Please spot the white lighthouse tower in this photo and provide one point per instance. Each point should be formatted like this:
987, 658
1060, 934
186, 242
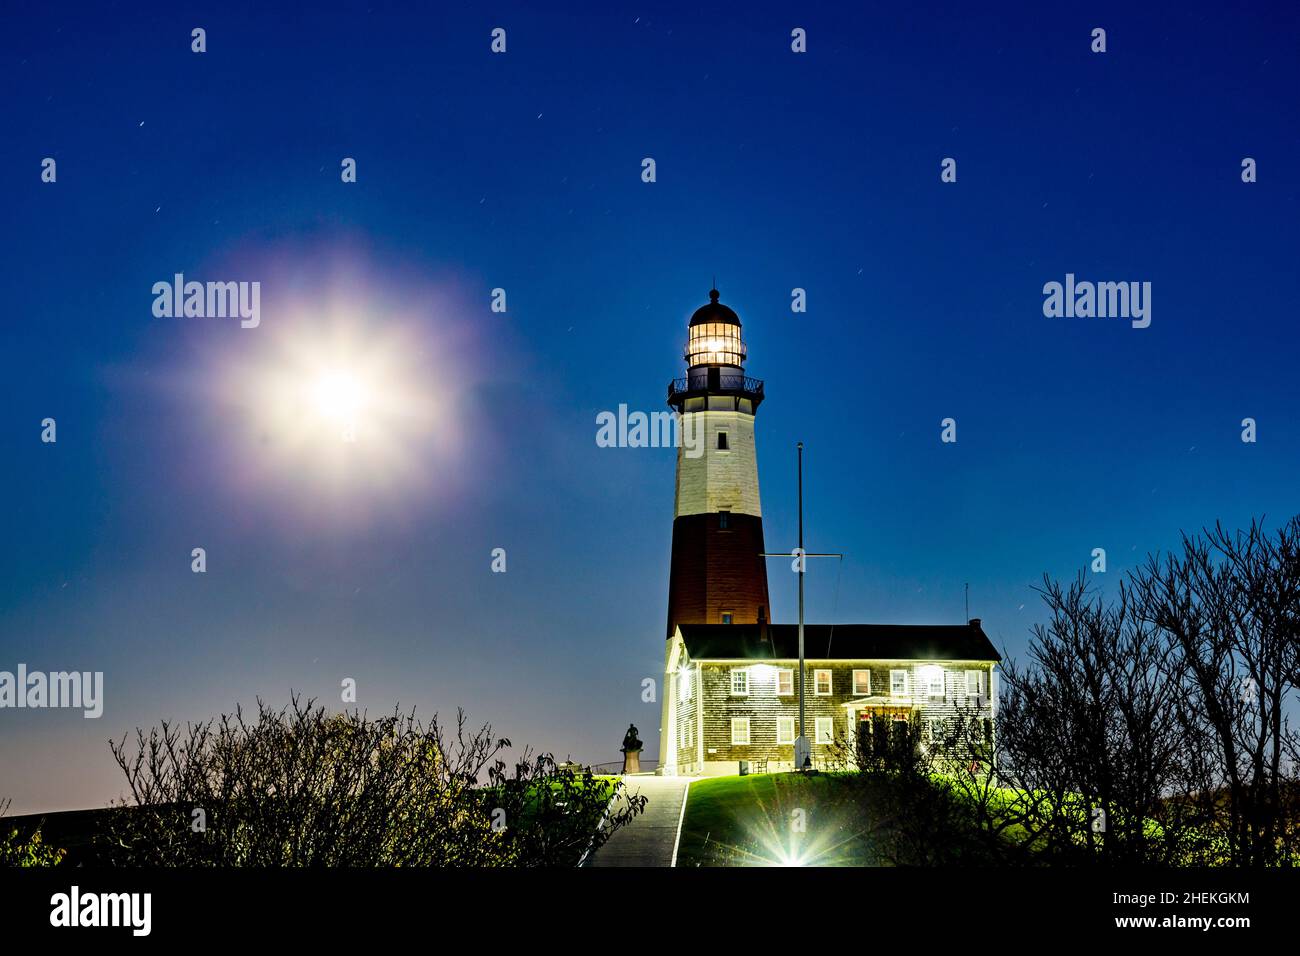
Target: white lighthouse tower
718, 575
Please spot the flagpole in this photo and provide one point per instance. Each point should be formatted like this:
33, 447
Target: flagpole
803, 727
802, 748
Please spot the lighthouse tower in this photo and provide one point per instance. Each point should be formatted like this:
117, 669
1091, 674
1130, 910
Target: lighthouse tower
718, 575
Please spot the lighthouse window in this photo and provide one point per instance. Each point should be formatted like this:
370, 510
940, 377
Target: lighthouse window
715, 343
726, 617
722, 441
724, 519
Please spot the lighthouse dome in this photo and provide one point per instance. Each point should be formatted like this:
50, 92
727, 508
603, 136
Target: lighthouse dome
715, 311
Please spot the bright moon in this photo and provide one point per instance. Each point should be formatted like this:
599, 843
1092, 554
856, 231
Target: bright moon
338, 397
340, 411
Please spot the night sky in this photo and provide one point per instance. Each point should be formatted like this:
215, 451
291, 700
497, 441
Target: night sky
522, 171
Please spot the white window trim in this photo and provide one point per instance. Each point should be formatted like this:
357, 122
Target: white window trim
856, 692
978, 690
732, 678
787, 721
748, 736
929, 685
817, 730
906, 683
790, 692
830, 676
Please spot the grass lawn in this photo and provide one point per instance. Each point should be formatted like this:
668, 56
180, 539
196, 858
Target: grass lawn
846, 821
752, 821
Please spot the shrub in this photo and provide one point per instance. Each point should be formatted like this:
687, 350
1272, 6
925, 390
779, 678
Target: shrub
303, 787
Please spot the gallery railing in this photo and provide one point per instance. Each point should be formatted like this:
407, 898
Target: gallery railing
724, 382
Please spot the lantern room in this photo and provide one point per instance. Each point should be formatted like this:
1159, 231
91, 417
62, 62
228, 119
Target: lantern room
714, 336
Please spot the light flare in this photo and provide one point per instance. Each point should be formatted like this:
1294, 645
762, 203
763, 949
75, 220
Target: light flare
347, 400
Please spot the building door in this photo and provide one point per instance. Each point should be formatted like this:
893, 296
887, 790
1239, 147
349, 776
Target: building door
864, 732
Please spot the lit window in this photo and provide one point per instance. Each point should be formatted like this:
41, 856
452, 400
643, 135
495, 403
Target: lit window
722, 441
898, 683
862, 683
785, 730
822, 683
740, 682
825, 730
784, 683
740, 731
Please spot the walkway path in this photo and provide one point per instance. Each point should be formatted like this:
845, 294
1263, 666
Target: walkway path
649, 840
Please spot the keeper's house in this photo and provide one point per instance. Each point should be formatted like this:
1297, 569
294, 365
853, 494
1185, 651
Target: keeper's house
732, 691
731, 680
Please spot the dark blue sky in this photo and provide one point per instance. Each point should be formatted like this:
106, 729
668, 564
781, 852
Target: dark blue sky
522, 171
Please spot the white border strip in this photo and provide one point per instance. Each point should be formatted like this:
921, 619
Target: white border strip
686, 795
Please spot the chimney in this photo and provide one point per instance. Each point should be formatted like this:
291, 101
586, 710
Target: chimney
974, 622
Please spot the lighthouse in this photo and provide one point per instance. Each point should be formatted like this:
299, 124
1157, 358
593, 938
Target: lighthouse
717, 574
733, 700
732, 697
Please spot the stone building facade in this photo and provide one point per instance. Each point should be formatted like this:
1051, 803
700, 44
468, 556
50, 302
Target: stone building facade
732, 694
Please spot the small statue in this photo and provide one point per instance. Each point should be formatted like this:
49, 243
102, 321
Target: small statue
630, 740
631, 750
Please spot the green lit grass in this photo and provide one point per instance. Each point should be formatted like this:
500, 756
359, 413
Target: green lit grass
747, 821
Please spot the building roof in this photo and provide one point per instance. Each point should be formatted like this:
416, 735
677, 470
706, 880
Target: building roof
843, 642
